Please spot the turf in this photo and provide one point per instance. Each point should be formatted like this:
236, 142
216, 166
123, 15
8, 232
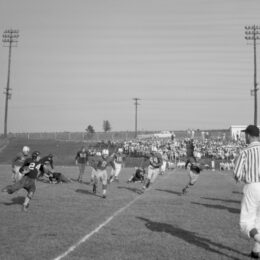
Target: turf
160, 224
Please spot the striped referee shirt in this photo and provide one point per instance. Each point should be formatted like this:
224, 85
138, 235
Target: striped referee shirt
247, 166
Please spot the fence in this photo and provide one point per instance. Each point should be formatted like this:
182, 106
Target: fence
101, 136
75, 136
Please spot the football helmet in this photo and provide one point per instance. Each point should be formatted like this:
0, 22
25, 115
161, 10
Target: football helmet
26, 150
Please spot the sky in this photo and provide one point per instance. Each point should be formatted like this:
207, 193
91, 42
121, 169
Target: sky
80, 62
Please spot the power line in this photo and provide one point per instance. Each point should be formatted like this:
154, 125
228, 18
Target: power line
10, 39
136, 105
252, 33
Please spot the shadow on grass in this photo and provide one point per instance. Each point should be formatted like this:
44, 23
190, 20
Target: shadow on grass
237, 192
171, 191
16, 200
135, 190
222, 200
190, 237
86, 192
83, 182
231, 210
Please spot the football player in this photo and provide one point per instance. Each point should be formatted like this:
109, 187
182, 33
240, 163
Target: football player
27, 182
155, 163
194, 171
118, 161
18, 161
138, 175
99, 173
81, 160
46, 165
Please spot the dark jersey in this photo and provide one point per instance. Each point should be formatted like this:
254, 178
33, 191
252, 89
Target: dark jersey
29, 168
81, 157
47, 160
155, 160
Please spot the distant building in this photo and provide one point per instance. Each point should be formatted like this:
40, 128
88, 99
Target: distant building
235, 132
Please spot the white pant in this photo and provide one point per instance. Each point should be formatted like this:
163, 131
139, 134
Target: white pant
115, 172
99, 175
250, 210
152, 173
16, 174
163, 167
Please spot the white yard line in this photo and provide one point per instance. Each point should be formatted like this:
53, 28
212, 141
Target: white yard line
89, 235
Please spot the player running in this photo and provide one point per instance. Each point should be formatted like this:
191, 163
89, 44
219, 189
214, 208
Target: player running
99, 173
27, 182
194, 172
155, 160
18, 161
118, 161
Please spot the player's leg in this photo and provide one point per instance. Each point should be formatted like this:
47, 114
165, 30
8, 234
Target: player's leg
16, 176
193, 178
104, 183
112, 176
10, 189
148, 179
117, 172
81, 171
31, 188
94, 178
64, 179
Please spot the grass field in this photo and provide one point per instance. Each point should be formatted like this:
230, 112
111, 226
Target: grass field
159, 224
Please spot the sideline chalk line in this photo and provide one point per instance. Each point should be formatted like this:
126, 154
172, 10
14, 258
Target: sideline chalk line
87, 236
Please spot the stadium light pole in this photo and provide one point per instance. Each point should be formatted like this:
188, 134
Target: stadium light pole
136, 105
10, 39
253, 34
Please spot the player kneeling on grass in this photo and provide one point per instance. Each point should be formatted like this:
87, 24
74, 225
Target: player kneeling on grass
27, 182
138, 176
57, 177
46, 165
99, 173
155, 160
194, 172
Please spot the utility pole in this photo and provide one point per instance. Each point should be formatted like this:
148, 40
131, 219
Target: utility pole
253, 33
10, 39
136, 104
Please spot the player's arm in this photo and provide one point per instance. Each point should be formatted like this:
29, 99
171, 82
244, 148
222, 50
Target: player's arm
239, 170
24, 167
17, 157
51, 164
112, 164
76, 158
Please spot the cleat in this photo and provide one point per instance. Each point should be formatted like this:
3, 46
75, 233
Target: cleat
25, 208
184, 191
104, 196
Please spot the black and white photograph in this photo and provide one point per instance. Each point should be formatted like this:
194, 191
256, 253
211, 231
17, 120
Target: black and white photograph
129, 130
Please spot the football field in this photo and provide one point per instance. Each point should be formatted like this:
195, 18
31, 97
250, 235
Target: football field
67, 221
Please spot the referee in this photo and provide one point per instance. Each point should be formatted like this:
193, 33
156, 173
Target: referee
247, 170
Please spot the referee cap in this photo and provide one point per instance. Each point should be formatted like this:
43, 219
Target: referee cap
252, 130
